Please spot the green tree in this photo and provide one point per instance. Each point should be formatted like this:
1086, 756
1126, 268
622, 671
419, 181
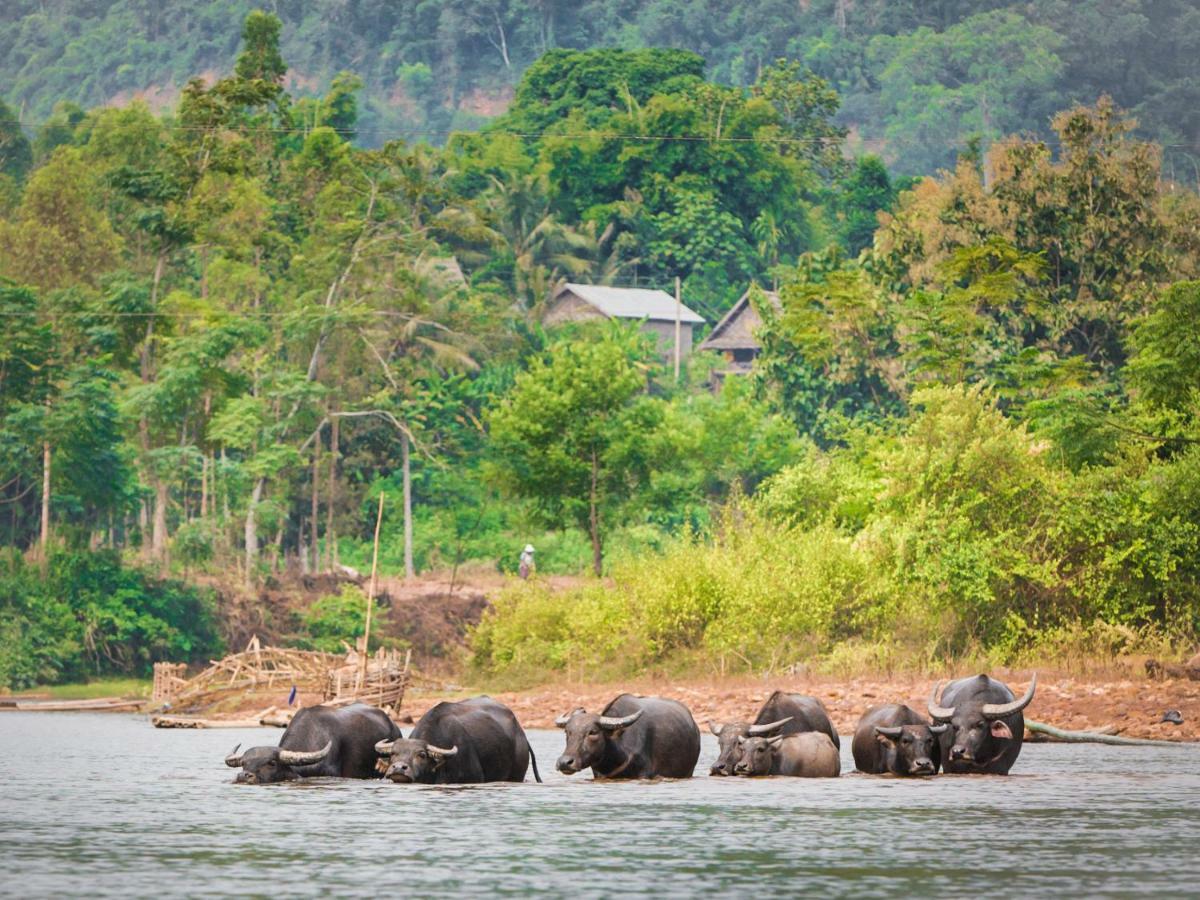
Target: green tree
984, 76
16, 156
572, 435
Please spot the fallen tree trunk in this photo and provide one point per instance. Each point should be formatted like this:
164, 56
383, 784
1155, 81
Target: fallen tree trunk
1094, 737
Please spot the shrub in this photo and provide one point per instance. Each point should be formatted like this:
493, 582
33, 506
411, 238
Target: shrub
89, 615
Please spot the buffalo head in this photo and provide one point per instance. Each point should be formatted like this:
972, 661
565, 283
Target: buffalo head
727, 741
588, 737
413, 762
267, 765
910, 749
980, 732
755, 755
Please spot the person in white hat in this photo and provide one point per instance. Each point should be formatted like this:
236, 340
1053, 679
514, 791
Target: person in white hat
526, 568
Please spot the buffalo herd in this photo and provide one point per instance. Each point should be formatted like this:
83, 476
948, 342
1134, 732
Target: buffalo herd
975, 726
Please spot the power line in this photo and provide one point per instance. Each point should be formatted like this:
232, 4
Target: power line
525, 135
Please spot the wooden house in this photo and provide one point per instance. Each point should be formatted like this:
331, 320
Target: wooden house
656, 310
734, 336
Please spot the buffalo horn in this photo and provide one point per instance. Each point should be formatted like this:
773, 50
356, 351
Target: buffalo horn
440, 751
562, 720
758, 730
384, 748
233, 760
940, 729
996, 710
304, 757
935, 709
892, 731
611, 723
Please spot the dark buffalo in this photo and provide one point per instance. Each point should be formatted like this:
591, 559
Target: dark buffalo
463, 742
896, 739
635, 737
986, 725
780, 714
809, 754
320, 740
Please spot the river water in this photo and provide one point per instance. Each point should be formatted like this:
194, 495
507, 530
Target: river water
103, 804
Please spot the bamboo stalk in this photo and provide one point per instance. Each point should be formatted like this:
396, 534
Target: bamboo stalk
362, 662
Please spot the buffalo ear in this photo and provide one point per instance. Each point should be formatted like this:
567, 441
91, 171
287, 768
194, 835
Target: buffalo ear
714, 728
1001, 730
775, 741
887, 734
741, 740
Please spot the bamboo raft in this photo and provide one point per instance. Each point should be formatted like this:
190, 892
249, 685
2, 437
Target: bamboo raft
380, 680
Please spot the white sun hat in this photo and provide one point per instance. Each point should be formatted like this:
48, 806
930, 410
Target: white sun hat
529, 548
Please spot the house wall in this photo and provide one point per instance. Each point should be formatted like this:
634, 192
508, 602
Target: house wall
665, 332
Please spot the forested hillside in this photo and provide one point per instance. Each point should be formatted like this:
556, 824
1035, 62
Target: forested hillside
230, 328
918, 80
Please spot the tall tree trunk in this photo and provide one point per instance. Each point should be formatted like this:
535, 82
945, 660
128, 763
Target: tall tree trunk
44, 544
277, 548
251, 532
314, 518
159, 540
594, 518
330, 533
146, 366
203, 486
409, 572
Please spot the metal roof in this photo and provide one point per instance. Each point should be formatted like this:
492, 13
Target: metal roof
631, 303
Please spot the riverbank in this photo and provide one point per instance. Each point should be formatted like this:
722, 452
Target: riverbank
1133, 706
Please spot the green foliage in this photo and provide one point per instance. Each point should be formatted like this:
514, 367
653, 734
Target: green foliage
958, 536
16, 155
90, 616
337, 621
571, 435
983, 77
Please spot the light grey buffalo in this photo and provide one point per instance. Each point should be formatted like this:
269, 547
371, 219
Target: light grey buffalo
810, 754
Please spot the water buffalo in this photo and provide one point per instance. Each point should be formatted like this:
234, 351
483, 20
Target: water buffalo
463, 742
781, 713
986, 725
893, 738
635, 737
320, 740
809, 754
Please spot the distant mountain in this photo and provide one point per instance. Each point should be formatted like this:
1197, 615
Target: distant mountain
918, 78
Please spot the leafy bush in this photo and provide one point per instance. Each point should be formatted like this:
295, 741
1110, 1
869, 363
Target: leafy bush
89, 615
337, 620
961, 537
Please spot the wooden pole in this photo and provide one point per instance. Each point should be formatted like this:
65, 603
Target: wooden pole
678, 326
362, 663
409, 571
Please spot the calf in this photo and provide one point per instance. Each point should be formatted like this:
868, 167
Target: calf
810, 754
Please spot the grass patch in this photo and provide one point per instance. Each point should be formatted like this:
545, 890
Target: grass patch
91, 690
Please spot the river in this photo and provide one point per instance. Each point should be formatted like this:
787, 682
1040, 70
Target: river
104, 804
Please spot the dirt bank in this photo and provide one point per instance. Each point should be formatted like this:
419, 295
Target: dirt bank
1134, 706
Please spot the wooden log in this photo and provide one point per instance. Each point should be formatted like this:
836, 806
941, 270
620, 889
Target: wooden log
1095, 737
100, 704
